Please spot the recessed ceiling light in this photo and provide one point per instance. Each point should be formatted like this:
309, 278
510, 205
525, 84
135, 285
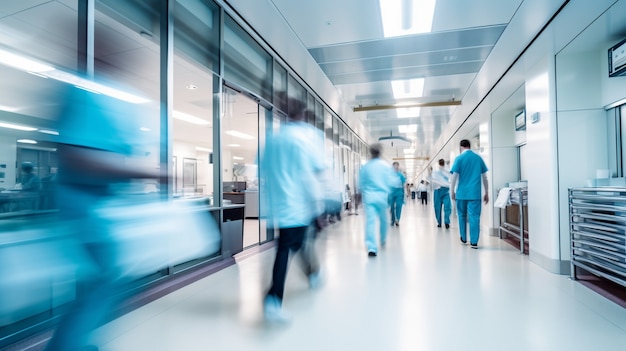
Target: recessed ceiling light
411, 88
237, 158
144, 129
17, 126
189, 118
46, 131
240, 135
404, 17
26, 141
205, 149
8, 108
192, 86
234, 145
410, 128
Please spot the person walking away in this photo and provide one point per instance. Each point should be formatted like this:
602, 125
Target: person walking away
423, 191
293, 166
396, 197
468, 170
375, 184
440, 180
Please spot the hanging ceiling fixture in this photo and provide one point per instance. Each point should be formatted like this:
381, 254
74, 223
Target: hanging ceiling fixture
395, 141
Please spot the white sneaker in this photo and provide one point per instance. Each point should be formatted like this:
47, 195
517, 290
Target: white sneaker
315, 281
273, 311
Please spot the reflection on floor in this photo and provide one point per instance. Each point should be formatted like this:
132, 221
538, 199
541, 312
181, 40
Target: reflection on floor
425, 291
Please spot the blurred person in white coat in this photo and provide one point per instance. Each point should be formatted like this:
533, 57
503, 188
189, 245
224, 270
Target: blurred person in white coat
293, 166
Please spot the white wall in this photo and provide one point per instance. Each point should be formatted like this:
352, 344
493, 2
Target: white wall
543, 214
582, 128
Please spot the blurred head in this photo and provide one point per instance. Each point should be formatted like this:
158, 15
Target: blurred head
296, 109
27, 167
465, 144
396, 165
375, 150
441, 162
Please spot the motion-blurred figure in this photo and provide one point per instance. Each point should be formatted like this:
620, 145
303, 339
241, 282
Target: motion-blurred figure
29, 180
97, 134
440, 178
396, 197
422, 189
375, 183
293, 165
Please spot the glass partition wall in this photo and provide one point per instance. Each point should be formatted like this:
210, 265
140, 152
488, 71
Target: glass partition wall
209, 94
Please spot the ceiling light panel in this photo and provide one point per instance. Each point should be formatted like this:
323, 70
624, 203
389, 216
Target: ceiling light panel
412, 88
405, 17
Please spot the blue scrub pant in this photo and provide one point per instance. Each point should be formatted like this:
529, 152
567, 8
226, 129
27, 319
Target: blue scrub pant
441, 197
396, 199
469, 210
374, 211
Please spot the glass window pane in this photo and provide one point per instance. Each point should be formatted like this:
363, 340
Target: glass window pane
245, 62
195, 42
196, 32
280, 87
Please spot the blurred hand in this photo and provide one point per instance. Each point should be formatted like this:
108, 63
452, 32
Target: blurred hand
453, 196
486, 198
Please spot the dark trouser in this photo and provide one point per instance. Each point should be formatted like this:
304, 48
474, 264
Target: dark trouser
291, 239
424, 197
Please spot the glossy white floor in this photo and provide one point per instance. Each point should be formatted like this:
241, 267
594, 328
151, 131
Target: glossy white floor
425, 291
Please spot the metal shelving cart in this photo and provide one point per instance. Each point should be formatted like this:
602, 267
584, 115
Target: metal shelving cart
598, 233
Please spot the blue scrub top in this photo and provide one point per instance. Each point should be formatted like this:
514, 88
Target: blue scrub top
469, 166
375, 180
399, 180
292, 166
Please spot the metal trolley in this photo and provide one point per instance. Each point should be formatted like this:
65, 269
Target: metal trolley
518, 198
598, 232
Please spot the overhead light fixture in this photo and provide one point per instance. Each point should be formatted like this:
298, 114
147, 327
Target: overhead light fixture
407, 104
240, 135
17, 126
234, 145
404, 17
144, 129
410, 88
23, 63
46, 131
237, 158
8, 108
410, 128
409, 151
26, 141
205, 149
92, 86
46, 71
189, 118
191, 86
395, 141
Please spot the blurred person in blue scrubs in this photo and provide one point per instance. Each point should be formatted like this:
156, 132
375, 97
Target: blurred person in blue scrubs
468, 171
98, 135
396, 197
440, 179
375, 180
294, 170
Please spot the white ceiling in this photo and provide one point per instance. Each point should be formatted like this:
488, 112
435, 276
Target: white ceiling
346, 39
471, 45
